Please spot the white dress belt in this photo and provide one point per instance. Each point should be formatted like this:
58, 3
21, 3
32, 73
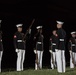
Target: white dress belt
73, 45
61, 39
19, 41
1, 40
39, 42
53, 43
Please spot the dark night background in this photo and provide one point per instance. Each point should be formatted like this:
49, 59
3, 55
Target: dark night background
45, 13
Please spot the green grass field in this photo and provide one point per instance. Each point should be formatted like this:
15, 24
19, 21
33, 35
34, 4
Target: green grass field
41, 72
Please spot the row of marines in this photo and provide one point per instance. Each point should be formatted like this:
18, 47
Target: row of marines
57, 44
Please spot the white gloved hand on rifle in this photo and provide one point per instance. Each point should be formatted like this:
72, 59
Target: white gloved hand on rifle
29, 31
17, 50
70, 51
50, 51
35, 51
56, 50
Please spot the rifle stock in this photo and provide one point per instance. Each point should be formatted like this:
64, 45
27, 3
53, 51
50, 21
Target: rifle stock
29, 28
52, 55
72, 54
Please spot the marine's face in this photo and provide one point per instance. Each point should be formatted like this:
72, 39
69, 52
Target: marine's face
40, 30
59, 26
73, 35
54, 32
19, 29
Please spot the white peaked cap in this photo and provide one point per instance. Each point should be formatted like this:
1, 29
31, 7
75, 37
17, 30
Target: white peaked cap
18, 25
60, 22
38, 27
73, 32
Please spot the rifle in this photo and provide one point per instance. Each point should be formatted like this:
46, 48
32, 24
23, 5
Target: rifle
75, 49
28, 29
72, 53
52, 54
42, 41
36, 61
0, 27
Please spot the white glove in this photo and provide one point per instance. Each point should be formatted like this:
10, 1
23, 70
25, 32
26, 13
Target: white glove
17, 50
35, 51
34, 37
56, 50
29, 31
70, 51
50, 51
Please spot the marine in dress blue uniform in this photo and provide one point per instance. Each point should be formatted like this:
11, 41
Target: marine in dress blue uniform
72, 49
52, 47
60, 47
19, 44
39, 47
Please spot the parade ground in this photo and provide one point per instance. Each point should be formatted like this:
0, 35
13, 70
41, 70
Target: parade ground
41, 72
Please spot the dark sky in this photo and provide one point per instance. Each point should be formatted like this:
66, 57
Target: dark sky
46, 13
31, 7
